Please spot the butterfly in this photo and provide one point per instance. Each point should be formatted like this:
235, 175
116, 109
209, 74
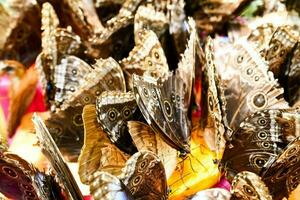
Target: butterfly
280, 174
280, 45
211, 15
98, 152
261, 35
137, 181
164, 102
216, 123
147, 57
21, 180
145, 138
82, 17
293, 74
163, 108
147, 17
248, 185
66, 124
21, 40
51, 63
248, 85
52, 152
117, 36
259, 138
114, 109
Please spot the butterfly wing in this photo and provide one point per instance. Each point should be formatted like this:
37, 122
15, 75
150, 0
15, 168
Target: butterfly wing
248, 85
47, 60
66, 128
68, 43
105, 186
69, 76
186, 65
147, 17
48, 187
147, 57
107, 75
114, 109
293, 85
159, 113
248, 185
146, 139
261, 137
281, 174
280, 45
216, 121
140, 176
261, 35
16, 181
53, 154
98, 153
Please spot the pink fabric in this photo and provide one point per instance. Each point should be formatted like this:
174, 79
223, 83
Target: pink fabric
87, 198
223, 183
4, 94
37, 104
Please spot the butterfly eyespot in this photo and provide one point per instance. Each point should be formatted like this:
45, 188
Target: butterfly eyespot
143, 164
292, 151
86, 99
10, 172
30, 194
173, 98
248, 190
97, 93
259, 162
259, 100
110, 82
154, 94
294, 186
72, 89
177, 98
126, 112
77, 120
275, 48
136, 180
262, 121
112, 115
149, 63
74, 71
249, 71
156, 55
240, 59
168, 108
293, 159
262, 135
145, 92
26, 187
266, 145
132, 190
